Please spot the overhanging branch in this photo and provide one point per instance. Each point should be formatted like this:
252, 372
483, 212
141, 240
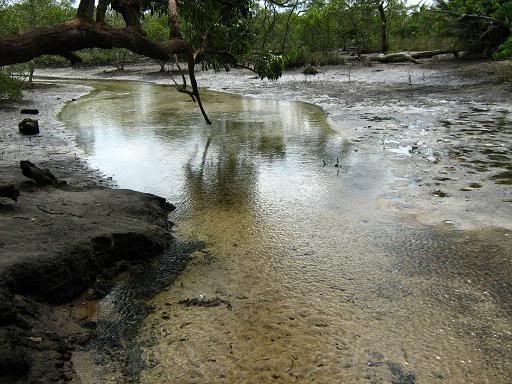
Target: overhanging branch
72, 36
78, 34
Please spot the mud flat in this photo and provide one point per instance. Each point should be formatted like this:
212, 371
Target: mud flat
56, 241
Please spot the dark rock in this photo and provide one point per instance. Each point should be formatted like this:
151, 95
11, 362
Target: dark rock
88, 324
29, 111
7, 308
80, 339
13, 362
439, 193
40, 176
28, 127
9, 191
24, 322
14, 359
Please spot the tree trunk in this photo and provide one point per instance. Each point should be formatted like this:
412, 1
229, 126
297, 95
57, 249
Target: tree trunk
31, 67
174, 27
383, 29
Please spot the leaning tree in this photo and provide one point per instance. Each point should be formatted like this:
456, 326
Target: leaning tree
201, 31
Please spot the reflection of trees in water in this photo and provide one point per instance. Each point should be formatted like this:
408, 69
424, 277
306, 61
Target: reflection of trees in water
226, 175
272, 147
246, 134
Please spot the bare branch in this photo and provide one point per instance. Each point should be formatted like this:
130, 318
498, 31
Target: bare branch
461, 16
175, 46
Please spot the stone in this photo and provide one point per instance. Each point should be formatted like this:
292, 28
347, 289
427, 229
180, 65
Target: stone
29, 111
9, 191
7, 308
29, 127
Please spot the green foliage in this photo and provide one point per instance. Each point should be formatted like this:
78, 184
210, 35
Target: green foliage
219, 26
324, 28
481, 26
19, 16
156, 27
269, 66
504, 50
10, 86
310, 70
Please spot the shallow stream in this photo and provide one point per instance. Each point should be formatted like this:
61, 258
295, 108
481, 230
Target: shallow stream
326, 281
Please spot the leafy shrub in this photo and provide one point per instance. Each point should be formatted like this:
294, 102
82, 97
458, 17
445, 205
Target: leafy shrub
304, 58
504, 50
10, 85
269, 66
310, 70
321, 58
296, 58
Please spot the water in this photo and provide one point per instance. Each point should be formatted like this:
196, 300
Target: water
327, 282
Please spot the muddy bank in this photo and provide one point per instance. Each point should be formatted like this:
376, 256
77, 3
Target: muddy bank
56, 241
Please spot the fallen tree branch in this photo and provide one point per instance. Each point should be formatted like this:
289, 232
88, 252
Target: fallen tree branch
461, 16
436, 52
394, 58
413, 57
175, 46
229, 58
57, 213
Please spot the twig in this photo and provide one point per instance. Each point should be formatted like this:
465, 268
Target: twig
56, 213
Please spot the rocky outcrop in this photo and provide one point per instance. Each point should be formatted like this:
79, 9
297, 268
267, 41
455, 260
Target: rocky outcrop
54, 244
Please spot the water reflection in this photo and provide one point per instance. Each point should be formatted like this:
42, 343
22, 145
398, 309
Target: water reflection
150, 138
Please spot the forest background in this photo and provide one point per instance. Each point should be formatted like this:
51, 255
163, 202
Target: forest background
268, 36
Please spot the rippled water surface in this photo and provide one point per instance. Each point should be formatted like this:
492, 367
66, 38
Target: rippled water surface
326, 282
